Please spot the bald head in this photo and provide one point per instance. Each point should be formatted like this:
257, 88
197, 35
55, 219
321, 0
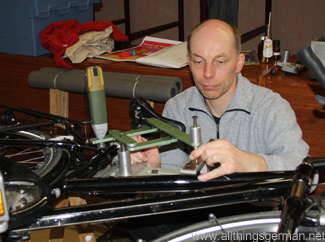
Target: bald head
221, 29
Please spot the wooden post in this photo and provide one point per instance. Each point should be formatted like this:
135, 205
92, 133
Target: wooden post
59, 102
85, 232
59, 105
56, 234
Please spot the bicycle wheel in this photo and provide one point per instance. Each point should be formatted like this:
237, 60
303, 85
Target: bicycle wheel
49, 163
247, 227
28, 196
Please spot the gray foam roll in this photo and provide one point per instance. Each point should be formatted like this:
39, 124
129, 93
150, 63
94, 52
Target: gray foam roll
153, 88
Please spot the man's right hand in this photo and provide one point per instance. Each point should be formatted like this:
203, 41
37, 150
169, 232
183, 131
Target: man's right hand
150, 155
231, 159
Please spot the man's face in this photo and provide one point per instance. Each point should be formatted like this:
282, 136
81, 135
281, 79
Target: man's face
214, 63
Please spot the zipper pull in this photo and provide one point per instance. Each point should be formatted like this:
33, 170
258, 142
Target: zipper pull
217, 131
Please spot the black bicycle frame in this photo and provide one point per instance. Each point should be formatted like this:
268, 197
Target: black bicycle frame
181, 193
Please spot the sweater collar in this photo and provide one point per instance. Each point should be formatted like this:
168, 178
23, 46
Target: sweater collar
241, 99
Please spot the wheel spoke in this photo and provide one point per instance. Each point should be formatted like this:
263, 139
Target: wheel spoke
25, 152
31, 160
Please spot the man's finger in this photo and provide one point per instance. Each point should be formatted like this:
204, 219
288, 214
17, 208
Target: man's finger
220, 171
197, 153
135, 159
138, 157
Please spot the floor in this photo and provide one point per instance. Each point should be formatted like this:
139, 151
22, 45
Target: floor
70, 234
101, 232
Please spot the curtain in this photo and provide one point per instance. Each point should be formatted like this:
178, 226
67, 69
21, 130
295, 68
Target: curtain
225, 10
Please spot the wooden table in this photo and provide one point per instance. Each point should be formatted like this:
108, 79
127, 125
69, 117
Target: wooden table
299, 90
15, 90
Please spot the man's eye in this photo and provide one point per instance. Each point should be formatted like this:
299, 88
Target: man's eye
219, 62
199, 62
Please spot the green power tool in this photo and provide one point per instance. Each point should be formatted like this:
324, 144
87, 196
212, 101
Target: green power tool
97, 101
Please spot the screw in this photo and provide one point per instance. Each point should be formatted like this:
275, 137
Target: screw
194, 121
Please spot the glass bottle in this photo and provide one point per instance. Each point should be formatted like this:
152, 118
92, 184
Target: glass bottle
268, 48
260, 48
276, 50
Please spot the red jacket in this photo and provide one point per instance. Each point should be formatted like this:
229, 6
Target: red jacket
60, 35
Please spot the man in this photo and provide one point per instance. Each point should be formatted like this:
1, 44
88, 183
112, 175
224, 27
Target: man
254, 129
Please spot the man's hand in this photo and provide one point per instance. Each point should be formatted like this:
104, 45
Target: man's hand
150, 155
231, 159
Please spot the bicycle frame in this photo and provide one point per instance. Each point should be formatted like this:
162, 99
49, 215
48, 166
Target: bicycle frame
181, 193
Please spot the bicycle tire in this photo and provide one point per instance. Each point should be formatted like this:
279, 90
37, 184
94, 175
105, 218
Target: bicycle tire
52, 164
255, 227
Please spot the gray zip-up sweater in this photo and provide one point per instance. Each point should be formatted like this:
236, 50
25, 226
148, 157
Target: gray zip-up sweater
257, 120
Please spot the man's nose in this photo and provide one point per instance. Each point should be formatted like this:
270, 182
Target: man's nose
209, 71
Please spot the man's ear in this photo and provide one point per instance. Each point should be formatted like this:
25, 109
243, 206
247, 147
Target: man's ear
188, 58
240, 62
